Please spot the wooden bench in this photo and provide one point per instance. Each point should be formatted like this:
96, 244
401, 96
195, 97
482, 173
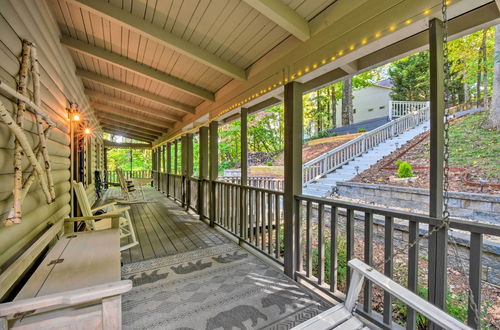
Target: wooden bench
77, 286
342, 316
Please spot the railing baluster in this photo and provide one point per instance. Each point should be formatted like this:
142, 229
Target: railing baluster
350, 239
411, 319
475, 270
250, 213
367, 301
263, 220
321, 244
388, 265
333, 249
257, 217
277, 224
308, 239
269, 223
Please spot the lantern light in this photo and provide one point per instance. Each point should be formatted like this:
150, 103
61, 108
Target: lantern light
76, 117
88, 131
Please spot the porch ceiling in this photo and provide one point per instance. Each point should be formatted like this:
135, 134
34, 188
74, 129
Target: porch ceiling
174, 62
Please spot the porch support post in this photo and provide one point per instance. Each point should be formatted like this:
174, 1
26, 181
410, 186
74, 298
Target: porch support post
158, 168
169, 166
105, 158
176, 163
153, 165
438, 241
293, 170
189, 168
203, 169
184, 167
244, 170
214, 167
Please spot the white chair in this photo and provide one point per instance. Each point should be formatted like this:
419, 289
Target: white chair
126, 227
129, 190
342, 315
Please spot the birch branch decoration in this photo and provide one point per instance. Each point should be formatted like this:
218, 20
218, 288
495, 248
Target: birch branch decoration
22, 145
40, 128
15, 214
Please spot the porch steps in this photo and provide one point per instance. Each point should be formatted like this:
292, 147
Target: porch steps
325, 185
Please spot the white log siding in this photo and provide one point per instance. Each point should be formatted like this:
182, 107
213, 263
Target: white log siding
33, 21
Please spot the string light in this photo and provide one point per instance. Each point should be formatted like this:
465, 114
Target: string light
88, 131
76, 117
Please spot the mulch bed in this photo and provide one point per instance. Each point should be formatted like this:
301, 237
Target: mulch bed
416, 152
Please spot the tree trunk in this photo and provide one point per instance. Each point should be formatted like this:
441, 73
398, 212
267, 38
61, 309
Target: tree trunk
485, 70
334, 107
347, 102
480, 69
494, 116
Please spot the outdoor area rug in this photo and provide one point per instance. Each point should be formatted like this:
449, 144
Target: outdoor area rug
221, 287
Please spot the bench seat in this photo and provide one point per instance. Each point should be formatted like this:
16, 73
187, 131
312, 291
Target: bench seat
77, 285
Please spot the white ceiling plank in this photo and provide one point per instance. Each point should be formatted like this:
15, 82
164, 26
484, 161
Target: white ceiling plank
136, 67
115, 84
158, 34
284, 16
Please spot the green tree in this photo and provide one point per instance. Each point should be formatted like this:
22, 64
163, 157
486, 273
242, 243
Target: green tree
410, 77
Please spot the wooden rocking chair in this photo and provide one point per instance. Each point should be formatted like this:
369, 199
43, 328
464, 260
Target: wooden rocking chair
109, 209
342, 315
129, 190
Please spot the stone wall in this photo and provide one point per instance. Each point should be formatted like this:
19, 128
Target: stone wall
470, 206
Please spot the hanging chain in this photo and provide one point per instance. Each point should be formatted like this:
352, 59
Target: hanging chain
446, 177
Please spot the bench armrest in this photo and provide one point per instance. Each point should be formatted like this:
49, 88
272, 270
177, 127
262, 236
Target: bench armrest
94, 217
422, 306
65, 299
103, 206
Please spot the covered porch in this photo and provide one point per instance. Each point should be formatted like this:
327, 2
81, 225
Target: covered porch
189, 250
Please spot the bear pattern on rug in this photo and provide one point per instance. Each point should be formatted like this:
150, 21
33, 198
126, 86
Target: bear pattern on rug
235, 318
214, 288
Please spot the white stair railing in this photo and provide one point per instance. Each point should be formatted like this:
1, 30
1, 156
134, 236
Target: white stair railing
398, 109
335, 158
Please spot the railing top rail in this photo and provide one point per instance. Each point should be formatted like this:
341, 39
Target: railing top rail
277, 192
360, 138
473, 227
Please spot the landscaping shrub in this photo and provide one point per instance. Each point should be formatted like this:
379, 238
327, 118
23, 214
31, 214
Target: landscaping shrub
405, 170
269, 163
361, 130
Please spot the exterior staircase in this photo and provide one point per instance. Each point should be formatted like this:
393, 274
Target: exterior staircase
344, 162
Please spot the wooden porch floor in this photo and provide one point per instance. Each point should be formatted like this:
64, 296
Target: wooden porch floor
187, 275
163, 228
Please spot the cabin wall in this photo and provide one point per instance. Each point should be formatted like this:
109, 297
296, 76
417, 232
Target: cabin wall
32, 20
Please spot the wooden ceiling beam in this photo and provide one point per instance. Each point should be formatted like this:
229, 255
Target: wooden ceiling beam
139, 68
120, 128
284, 16
118, 85
130, 115
126, 121
118, 145
159, 114
127, 135
163, 37
121, 122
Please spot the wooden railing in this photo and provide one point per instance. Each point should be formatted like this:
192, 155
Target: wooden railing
112, 177
320, 224
333, 159
399, 109
328, 229
254, 215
